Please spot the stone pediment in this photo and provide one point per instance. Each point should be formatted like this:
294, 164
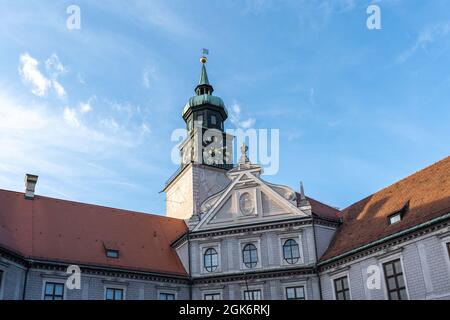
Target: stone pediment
248, 199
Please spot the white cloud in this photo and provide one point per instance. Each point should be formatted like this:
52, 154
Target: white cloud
40, 84
235, 117
110, 124
86, 107
59, 89
54, 67
30, 74
70, 117
148, 77
145, 128
426, 37
247, 123
80, 79
57, 145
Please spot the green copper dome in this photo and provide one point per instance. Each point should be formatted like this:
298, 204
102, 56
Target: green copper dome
204, 95
204, 99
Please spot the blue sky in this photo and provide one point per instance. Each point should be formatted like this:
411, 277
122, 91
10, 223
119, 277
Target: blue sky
92, 110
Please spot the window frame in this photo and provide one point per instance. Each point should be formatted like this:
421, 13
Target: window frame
253, 248
212, 293
294, 260
109, 287
252, 290
344, 290
294, 284
397, 215
205, 246
387, 257
167, 293
297, 236
445, 240
54, 282
395, 275
295, 287
256, 241
212, 267
112, 251
341, 274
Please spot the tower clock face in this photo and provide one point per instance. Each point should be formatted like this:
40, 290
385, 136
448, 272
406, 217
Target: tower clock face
213, 154
246, 204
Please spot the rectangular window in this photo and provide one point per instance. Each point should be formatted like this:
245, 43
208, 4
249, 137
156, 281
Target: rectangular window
54, 291
199, 120
395, 218
113, 294
341, 289
213, 120
211, 296
448, 249
295, 293
395, 282
166, 296
112, 254
252, 295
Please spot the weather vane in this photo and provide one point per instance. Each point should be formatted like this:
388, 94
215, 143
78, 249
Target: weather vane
205, 52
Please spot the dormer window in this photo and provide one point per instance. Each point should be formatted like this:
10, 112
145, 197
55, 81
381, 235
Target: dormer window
114, 254
395, 218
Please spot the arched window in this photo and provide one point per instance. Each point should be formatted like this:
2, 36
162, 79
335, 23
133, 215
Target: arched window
210, 260
250, 255
291, 252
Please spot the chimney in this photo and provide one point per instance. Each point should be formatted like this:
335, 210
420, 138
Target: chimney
30, 185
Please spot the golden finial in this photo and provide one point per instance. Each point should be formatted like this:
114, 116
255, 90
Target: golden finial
203, 59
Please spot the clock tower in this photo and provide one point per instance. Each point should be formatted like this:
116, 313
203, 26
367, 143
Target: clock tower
206, 153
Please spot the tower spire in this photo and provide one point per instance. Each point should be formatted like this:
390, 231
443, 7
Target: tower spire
204, 87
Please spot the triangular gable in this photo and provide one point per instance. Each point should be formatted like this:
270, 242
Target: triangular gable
224, 207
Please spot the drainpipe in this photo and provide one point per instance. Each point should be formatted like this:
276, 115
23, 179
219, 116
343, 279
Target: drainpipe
246, 285
189, 264
24, 289
317, 257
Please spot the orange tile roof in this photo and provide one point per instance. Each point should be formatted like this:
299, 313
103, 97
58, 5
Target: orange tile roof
66, 231
426, 194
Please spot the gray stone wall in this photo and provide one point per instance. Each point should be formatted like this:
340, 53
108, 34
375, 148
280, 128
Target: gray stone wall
93, 287
11, 287
272, 289
269, 244
425, 262
270, 247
